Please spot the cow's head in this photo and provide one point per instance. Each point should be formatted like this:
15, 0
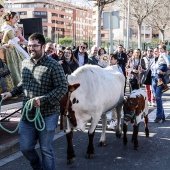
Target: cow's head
66, 104
129, 108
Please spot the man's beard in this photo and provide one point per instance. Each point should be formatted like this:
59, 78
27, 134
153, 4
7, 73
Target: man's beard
37, 55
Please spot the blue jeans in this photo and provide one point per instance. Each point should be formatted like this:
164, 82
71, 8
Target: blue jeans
28, 137
157, 90
163, 68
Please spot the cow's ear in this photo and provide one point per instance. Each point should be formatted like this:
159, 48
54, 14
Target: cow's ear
73, 87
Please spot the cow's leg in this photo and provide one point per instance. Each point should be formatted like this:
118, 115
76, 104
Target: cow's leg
135, 136
102, 141
70, 151
118, 127
124, 133
90, 148
146, 125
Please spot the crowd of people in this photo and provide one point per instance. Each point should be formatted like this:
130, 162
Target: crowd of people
40, 73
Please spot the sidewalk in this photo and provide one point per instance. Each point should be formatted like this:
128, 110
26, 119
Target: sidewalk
8, 141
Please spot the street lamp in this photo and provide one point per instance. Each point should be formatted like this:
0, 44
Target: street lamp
128, 25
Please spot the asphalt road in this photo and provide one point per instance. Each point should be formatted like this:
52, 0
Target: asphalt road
153, 153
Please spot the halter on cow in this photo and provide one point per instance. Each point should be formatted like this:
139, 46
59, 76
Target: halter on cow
134, 107
100, 90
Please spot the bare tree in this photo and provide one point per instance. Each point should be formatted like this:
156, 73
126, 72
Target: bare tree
160, 19
100, 4
140, 10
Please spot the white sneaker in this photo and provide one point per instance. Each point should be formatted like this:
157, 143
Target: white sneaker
149, 103
112, 124
153, 104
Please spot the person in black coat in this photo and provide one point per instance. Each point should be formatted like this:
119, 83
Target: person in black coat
80, 55
68, 63
122, 60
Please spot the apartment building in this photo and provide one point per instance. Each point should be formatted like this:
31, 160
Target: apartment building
59, 18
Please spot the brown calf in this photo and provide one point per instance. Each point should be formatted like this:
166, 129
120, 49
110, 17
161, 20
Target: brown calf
135, 106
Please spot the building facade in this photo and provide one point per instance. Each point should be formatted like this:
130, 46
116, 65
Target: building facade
59, 19
119, 34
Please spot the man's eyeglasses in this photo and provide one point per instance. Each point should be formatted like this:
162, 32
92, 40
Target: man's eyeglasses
60, 52
33, 45
50, 48
150, 51
83, 47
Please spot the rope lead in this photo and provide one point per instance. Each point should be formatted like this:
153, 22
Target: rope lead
38, 119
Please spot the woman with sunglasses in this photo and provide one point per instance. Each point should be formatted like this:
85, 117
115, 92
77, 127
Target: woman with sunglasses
68, 64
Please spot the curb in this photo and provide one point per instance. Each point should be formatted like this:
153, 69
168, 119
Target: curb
13, 146
9, 148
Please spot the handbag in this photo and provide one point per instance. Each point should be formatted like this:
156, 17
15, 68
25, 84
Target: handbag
4, 71
167, 77
6, 84
132, 81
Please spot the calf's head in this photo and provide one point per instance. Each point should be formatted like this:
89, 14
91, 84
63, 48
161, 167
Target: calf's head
129, 108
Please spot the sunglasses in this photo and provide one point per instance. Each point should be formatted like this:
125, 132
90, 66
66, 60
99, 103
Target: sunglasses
83, 47
150, 51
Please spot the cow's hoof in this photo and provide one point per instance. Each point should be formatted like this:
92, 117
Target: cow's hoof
147, 132
125, 141
89, 156
102, 143
118, 134
136, 147
71, 161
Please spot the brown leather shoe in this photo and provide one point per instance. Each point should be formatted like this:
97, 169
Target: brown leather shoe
160, 82
165, 88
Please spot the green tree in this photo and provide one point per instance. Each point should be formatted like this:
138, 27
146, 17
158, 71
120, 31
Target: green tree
66, 41
47, 39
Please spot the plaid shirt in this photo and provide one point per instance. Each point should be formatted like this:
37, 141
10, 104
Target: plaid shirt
46, 80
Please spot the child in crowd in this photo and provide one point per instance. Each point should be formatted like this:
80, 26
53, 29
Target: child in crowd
163, 65
114, 61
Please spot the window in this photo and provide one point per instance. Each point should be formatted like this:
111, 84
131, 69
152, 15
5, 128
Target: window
40, 13
43, 13
36, 13
44, 28
102, 35
69, 11
44, 19
22, 13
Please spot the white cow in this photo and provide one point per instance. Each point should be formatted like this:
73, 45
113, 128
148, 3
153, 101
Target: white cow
101, 90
